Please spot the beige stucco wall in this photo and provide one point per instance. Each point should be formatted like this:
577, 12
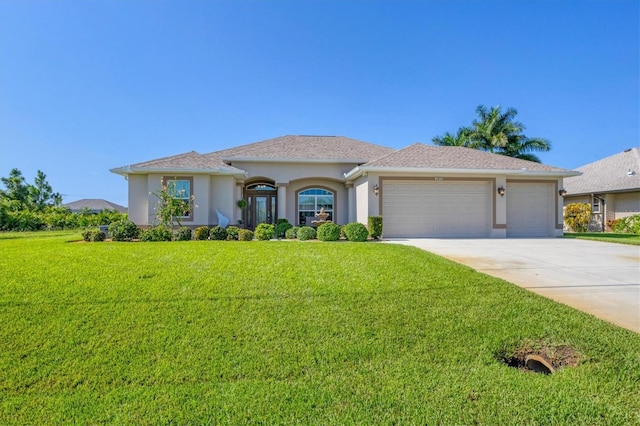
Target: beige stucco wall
626, 204
340, 200
222, 197
286, 172
138, 199
361, 186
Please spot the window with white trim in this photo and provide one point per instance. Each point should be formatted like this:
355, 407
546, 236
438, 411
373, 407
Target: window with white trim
595, 205
310, 201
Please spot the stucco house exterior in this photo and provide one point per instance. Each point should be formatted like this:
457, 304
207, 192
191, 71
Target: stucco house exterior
611, 185
420, 190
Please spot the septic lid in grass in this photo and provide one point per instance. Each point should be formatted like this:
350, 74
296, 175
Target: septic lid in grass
540, 356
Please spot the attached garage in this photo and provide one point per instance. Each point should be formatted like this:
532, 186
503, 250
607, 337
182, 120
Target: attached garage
441, 209
530, 209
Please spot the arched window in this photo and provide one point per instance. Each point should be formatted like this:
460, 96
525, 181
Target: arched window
311, 200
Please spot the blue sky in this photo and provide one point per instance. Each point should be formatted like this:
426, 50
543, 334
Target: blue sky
89, 85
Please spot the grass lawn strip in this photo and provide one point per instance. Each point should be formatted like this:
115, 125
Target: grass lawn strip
609, 237
280, 333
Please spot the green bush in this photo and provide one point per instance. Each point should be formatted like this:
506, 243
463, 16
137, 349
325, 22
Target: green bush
627, 225
232, 233
202, 233
328, 232
218, 233
264, 232
375, 226
342, 234
245, 235
292, 233
183, 234
282, 226
577, 216
123, 230
356, 231
93, 235
156, 233
306, 233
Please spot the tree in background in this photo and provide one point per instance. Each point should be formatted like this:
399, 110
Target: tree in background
25, 196
496, 132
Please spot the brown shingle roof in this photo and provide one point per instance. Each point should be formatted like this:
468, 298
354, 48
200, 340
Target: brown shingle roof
189, 160
420, 156
619, 172
305, 147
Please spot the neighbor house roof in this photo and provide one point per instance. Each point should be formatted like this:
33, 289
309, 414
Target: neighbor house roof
617, 173
94, 204
424, 158
303, 148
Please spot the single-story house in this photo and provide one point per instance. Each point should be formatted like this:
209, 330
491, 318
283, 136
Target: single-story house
610, 185
420, 191
94, 205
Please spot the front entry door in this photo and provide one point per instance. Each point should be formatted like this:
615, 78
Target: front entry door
260, 209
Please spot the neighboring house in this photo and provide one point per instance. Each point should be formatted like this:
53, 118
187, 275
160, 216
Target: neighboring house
92, 205
421, 191
610, 185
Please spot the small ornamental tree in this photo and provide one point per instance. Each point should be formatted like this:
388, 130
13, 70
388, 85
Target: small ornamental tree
172, 204
577, 216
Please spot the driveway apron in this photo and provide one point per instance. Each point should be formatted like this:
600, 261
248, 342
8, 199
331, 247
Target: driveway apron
602, 279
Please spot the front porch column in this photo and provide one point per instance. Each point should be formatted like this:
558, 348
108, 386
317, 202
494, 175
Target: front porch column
282, 201
237, 211
351, 202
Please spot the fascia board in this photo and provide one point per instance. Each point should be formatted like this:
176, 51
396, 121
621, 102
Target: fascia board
148, 170
293, 160
519, 172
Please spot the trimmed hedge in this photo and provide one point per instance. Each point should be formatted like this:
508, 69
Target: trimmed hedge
356, 231
156, 233
292, 233
328, 232
183, 234
93, 235
202, 233
232, 233
627, 225
218, 233
123, 230
282, 226
264, 232
245, 235
306, 233
375, 226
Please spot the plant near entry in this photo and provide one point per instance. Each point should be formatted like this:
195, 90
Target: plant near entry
328, 232
183, 234
375, 226
245, 235
282, 225
172, 205
292, 233
306, 233
123, 230
202, 233
356, 231
264, 231
232, 233
577, 216
218, 233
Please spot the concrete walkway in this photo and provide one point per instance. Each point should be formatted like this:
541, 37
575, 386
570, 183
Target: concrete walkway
602, 279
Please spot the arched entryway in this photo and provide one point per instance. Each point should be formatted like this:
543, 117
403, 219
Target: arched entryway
261, 198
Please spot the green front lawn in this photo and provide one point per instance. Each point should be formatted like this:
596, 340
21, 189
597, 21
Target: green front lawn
609, 237
289, 332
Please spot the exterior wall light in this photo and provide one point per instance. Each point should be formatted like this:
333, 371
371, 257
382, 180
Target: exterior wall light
562, 192
501, 191
376, 189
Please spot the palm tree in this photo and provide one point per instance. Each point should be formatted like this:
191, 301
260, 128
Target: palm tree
462, 138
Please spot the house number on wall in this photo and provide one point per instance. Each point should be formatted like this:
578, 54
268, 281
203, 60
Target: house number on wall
438, 178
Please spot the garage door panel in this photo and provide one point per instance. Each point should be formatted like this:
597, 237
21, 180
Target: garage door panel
436, 209
530, 209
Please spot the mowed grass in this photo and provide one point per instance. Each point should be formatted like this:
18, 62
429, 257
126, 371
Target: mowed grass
288, 333
609, 237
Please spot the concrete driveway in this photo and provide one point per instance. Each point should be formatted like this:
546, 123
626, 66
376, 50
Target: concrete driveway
602, 279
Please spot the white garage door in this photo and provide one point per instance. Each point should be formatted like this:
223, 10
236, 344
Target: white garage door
436, 209
530, 209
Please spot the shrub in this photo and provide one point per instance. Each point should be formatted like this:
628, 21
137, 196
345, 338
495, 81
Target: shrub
342, 234
356, 231
93, 234
627, 225
306, 233
264, 231
183, 234
375, 226
123, 230
218, 233
245, 235
282, 225
156, 233
292, 233
202, 233
328, 232
232, 233
577, 216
